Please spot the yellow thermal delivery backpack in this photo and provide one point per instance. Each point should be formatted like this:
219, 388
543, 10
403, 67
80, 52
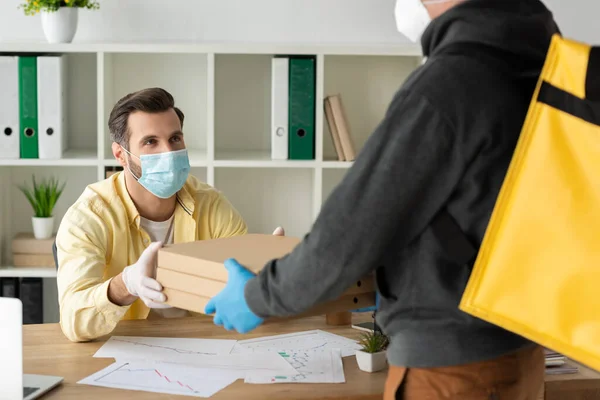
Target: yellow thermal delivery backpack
537, 271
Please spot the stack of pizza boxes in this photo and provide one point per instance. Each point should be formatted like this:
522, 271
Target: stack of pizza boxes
192, 273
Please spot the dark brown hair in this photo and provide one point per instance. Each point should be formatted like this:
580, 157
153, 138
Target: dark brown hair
151, 100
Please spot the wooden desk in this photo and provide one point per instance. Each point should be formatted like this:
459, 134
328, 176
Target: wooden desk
48, 352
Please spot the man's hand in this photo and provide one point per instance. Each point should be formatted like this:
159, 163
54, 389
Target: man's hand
229, 306
139, 278
279, 231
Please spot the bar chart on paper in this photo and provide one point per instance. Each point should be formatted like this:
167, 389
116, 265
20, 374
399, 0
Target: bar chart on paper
162, 378
312, 366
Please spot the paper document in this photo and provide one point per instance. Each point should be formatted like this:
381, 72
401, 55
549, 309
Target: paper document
202, 353
127, 347
308, 340
162, 378
312, 366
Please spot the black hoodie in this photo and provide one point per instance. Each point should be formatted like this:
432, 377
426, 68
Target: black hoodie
444, 146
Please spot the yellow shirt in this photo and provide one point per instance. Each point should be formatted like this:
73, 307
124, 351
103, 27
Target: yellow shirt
100, 235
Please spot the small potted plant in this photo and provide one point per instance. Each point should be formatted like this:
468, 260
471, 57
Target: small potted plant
372, 356
43, 198
59, 17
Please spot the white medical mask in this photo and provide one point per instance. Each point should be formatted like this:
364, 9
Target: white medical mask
412, 17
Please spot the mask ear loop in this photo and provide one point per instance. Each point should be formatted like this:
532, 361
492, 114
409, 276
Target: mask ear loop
128, 167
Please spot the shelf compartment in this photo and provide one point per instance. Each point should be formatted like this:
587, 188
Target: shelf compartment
366, 85
242, 103
268, 198
184, 76
20, 211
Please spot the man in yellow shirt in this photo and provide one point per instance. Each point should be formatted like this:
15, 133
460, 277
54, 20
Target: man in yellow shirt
108, 240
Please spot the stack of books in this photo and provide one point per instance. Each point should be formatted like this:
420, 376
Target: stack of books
31, 252
556, 364
339, 128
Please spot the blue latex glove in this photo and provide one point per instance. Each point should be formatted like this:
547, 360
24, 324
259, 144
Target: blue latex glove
229, 306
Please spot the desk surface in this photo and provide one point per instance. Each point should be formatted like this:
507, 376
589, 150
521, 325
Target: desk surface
48, 352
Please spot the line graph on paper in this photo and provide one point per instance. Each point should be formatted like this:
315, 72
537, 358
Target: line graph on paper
161, 348
145, 378
162, 378
312, 366
308, 340
173, 349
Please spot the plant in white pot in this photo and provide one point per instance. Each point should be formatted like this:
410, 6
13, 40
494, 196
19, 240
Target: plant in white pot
43, 197
59, 17
372, 356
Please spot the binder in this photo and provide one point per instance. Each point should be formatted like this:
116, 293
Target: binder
28, 114
51, 92
302, 108
279, 107
32, 297
9, 104
9, 287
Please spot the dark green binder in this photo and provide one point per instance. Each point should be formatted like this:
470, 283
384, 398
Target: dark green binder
28, 107
302, 78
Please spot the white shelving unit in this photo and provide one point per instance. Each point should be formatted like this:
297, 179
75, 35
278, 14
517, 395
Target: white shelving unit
224, 92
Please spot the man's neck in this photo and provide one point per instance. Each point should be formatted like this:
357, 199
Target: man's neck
148, 205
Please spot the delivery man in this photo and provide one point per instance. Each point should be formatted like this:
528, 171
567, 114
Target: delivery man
440, 153
108, 240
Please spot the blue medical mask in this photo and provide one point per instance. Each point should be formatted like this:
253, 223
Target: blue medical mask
163, 174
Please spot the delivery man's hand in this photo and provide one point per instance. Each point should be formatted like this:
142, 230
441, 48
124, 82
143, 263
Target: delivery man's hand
229, 306
139, 278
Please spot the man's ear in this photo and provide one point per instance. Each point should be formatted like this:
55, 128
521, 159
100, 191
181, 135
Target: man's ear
119, 154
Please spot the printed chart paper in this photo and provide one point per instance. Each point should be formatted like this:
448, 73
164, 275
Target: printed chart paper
312, 366
308, 340
162, 378
201, 353
126, 347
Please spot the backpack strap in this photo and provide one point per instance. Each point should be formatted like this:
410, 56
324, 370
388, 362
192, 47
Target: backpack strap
452, 238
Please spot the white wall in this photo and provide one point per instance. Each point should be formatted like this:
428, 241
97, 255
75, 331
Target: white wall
369, 21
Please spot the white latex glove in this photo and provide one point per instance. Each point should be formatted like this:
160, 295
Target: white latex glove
139, 278
279, 231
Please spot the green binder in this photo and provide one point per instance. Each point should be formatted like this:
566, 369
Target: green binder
28, 107
302, 80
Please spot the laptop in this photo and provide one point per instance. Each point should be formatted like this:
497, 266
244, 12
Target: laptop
13, 383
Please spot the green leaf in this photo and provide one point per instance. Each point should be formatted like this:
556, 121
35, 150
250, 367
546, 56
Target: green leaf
373, 342
44, 196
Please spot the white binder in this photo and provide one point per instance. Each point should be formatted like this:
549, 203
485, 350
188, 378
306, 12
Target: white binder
9, 107
51, 83
279, 108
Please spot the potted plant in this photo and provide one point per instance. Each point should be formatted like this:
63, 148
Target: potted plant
43, 198
59, 17
372, 356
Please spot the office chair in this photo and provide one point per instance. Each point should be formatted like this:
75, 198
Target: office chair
54, 254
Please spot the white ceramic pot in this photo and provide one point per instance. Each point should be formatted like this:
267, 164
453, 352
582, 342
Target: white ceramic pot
43, 228
371, 362
60, 26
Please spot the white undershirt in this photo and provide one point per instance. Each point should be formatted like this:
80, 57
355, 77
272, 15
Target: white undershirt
159, 231
162, 231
